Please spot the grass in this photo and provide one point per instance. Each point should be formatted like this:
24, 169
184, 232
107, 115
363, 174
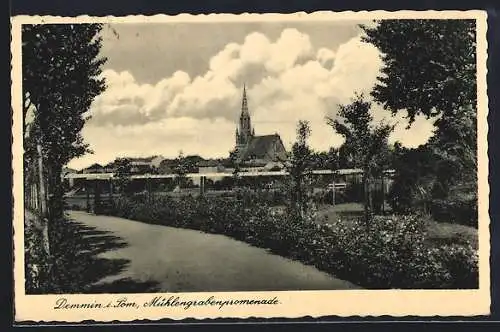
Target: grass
447, 233
345, 211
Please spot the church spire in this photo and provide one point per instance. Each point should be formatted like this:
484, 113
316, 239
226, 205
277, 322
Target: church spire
244, 102
244, 133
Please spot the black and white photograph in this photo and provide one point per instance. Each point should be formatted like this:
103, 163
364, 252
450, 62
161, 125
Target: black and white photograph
249, 155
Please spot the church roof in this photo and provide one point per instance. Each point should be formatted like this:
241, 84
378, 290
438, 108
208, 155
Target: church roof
259, 146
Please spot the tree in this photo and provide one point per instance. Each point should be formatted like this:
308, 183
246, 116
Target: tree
365, 144
326, 160
123, 170
413, 179
455, 143
181, 169
429, 65
192, 163
299, 167
61, 68
235, 163
430, 69
345, 157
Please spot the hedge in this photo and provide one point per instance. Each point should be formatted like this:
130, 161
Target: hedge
389, 252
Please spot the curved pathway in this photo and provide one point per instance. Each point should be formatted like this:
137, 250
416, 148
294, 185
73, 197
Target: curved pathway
182, 260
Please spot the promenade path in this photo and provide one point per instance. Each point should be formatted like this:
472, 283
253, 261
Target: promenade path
181, 260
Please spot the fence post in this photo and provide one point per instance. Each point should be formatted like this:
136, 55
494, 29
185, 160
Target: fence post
333, 191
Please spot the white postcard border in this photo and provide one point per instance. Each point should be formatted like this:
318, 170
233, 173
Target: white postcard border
292, 304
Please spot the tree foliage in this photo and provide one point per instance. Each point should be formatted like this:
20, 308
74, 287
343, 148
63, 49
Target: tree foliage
430, 69
413, 179
366, 145
181, 168
300, 166
455, 142
123, 170
429, 65
61, 77
424, 182
326, 160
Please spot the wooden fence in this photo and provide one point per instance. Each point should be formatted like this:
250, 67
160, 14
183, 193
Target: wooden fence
152, 185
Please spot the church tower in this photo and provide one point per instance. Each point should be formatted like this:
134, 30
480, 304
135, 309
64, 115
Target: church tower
244, 132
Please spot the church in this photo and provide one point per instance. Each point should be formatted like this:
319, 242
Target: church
252, 149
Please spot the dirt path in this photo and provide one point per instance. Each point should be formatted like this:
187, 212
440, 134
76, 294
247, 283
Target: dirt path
181, 260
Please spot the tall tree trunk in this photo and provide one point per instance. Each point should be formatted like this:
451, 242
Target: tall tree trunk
56, 193
44, 269
41, 179
44, 223
296, 194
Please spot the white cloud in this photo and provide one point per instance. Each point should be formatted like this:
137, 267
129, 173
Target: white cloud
326, 57
290, 47
289, 80
167, 137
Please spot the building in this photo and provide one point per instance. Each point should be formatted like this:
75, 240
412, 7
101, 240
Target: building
210, 166
93, 169
255, 150
145, 163
138, 165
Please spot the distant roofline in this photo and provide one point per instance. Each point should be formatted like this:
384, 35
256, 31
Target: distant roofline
268, 135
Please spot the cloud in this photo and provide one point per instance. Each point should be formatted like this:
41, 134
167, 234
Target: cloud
287, 80
215, 93
126, 102
326, 57
167, 137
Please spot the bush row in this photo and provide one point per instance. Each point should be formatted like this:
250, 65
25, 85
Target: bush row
389, 252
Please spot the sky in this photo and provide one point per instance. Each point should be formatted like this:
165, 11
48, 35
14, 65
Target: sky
175, 87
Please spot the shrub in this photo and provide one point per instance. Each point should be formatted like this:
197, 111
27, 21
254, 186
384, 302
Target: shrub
34, 259
460, 211
392, 251
388, 252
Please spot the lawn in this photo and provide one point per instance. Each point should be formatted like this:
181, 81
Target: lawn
447, 233
345, 211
